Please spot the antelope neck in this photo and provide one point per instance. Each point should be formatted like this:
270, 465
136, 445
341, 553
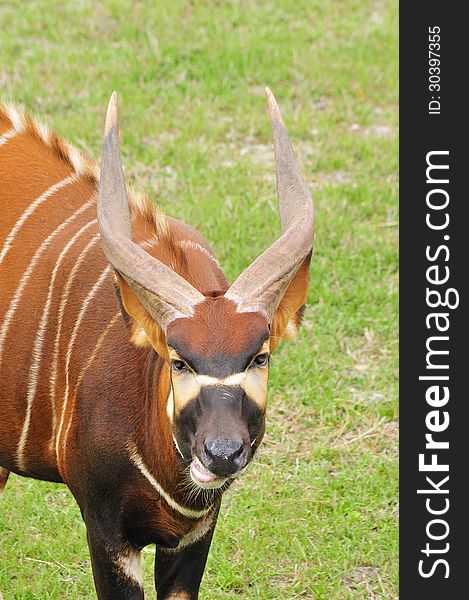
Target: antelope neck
155, 455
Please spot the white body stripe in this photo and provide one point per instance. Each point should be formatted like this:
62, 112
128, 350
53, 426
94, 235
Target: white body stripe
31, 208
60, 314
96, 349
196, 246
6, 137
138, 462
73, 337
38, 346
27, 274
87, 365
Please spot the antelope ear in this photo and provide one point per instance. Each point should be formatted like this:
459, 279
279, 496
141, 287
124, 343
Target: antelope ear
145, 331
287, 318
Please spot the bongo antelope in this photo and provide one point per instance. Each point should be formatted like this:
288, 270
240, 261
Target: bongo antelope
130, 369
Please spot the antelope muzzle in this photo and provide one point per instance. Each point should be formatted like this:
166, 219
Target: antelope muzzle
220, 431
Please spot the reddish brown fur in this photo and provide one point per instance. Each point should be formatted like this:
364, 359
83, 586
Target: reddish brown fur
4, 474
106, 373
46, 165
217, 328
5, 123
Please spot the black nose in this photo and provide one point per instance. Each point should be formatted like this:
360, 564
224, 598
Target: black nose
224, 455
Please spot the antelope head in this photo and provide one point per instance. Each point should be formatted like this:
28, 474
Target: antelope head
217, 349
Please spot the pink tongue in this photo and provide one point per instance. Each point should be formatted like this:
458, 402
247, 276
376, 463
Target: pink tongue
200, 473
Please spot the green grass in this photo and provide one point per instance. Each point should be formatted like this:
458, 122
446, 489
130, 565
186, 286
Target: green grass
316, 515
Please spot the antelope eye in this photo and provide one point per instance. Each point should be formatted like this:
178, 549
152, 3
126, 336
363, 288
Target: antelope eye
261, 360
179, 366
